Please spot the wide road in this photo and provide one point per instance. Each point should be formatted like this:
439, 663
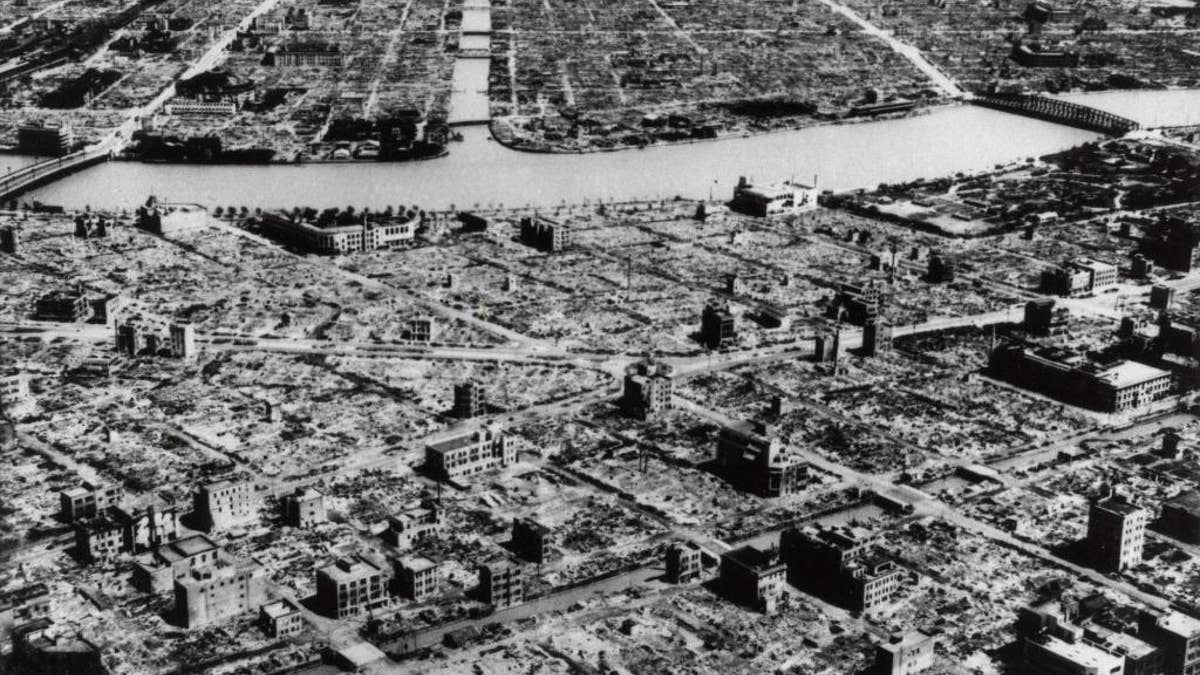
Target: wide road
906, 50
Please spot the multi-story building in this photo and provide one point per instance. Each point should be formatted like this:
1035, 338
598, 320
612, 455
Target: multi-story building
156, 572
413, 525
166, 219
1116, 533
757, 464
545, 234
147, 527
1171, 242
280, 619
10, 240
416, 578
24, 604
422, 329
904, 654
532, 540
941, 268
40, 649
87, 501
45, 139
14, 388
502, 583
117, 530
841, 565
470, 453
337, 239
717, 326
224, 504
1069, 377
685, 562
1050, 645
648, 389
1079, 277
304, 507
348, 586
66, 306
876, 338
1181, 517
98, 538
470, 400
1177, 636
785, 198
218, 591
310, 54
753, 577
183, 341
1162, 296
857, 304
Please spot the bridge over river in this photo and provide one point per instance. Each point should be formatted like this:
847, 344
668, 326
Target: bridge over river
1056, 110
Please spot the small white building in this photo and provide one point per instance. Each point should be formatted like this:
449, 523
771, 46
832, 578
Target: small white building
775, 199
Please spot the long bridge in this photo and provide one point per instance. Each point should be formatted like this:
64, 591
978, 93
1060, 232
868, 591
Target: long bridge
1060, 112
15, 183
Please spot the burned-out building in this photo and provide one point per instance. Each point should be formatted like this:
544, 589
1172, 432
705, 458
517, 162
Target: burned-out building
718, 328
532, 540
758, 464
1071, 378
648, 389
545, 234
1181, 517
224, 504
753, 577
857, 304
842, 565
1171, 243
470, 399
1116, 533
684, 562
502, 583
350, 585
412, 525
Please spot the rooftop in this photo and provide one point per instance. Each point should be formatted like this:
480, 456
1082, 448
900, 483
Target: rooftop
1129, 373
417, 564
186, 548
347, 569
905, 640
279, 608
1180, 624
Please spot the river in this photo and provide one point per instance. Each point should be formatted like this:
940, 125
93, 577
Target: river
481, 171
1149, 107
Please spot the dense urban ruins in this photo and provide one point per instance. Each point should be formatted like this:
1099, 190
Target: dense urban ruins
912, 406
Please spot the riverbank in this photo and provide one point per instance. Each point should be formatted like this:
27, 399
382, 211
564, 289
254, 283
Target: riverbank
919, 109
478, 172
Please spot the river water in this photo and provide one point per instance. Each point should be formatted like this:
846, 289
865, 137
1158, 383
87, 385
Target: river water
1151, 107
481, 171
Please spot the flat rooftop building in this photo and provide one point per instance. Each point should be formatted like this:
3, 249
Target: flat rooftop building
753, 577
1068, 377
1181, 517
1116, 533
218, 591
224, 504
470, 453
348, 586
502, 583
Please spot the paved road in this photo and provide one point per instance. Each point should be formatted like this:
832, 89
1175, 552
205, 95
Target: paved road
906, 50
